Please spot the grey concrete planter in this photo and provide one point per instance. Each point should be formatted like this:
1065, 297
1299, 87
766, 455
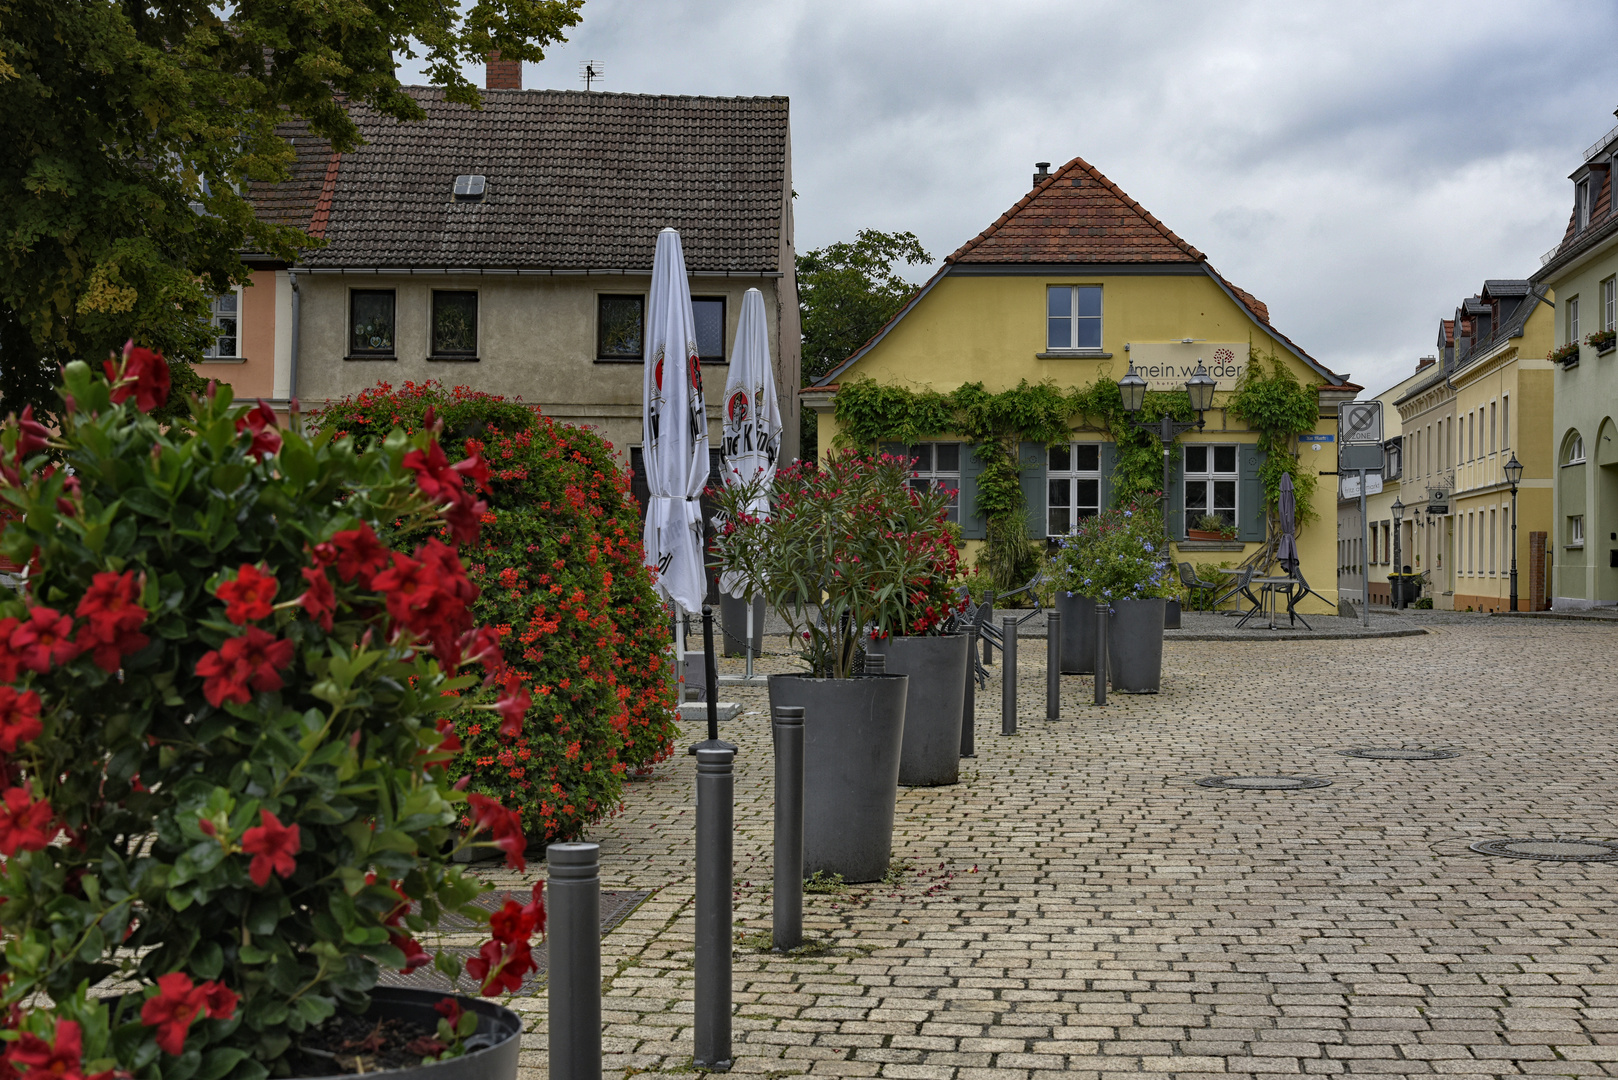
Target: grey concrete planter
491, 1051
931, 755
1078, 633
733, 619
853, 731
1171, 614
1135, 646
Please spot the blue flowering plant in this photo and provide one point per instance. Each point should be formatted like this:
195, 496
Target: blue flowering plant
1117, 555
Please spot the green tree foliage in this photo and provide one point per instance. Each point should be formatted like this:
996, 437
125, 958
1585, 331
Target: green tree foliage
132, 129
1271, 400
847, 291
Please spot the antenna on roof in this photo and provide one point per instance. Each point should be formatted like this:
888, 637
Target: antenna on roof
589, 71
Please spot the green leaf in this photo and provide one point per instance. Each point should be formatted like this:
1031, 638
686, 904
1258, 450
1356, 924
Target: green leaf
219, 1061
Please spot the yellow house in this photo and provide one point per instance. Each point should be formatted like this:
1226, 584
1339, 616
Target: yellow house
1076, 283
1504, 405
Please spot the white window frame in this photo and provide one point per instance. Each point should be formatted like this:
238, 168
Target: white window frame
1575, 531
1581, 205
927, 473
1072, 476
1573, 319
1073, 319
214, 315
1609, 304
1211, 476
1575, 451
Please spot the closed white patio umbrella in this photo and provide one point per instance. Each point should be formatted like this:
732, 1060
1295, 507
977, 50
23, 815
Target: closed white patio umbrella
752, 423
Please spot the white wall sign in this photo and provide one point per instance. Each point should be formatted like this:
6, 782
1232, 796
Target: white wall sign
1351, 485
1167, 365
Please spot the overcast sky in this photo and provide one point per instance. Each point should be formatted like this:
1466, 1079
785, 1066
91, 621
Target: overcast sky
1359, 167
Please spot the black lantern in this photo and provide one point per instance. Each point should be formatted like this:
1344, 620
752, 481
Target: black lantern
1133, 389
1398, 511
1513, 471
1200, 388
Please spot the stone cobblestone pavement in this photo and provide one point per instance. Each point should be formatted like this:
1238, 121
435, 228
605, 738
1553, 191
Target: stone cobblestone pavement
1077, 906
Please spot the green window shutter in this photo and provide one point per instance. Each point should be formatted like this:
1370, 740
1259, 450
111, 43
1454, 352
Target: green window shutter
972, 523
1249, 494
1031, 474
1109, 464
1176, 503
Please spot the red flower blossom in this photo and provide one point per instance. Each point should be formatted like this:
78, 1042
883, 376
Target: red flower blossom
504, 827
261, 421
19, 718
256, 658
144, 373
451, 743
44, 639
434, 476
113, 614
513, 707
32, 436
319, 601
24, 822
450, 1010
500, 970
178, 1003
273, 847
32, 1058
415, 955
359, 554
250, 597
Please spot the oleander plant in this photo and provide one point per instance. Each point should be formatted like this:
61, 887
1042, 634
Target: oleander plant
229, 691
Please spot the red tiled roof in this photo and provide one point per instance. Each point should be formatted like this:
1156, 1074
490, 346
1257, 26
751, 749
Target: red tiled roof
292, 201
1076, 216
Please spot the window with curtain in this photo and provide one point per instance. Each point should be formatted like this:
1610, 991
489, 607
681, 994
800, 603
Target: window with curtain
223, 318
455, 323
620, 326
709, 314
1073, 485
370, 321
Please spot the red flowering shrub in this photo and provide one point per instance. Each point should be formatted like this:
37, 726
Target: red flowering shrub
560, 566
228, 701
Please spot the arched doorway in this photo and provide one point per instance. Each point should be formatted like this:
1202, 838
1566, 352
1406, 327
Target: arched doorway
1603, 513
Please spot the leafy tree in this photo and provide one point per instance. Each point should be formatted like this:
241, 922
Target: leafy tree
133, 127
847, 291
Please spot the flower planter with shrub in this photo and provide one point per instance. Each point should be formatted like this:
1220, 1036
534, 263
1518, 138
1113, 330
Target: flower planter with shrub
230, 691
848, 552
1120, 558
562, 576
1602, 341
1566, 355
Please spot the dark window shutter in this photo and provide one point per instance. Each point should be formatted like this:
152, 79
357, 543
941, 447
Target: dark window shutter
1109, 464
897, 449
1250, 494
1175, 510
972, 523
1031, 474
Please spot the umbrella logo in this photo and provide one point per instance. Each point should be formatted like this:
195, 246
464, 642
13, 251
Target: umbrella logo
696, 372
736, 408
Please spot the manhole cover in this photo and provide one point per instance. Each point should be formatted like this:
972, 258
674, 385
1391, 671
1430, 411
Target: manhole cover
1550, 850
1399, 753
1263, 783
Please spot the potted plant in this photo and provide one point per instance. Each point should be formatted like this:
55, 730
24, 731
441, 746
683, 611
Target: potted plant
837, 559
1211, 527
1122, 557
1567, 355
226, 719
1602, 341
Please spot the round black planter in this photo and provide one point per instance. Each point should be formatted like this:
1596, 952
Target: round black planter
733, 619
853, 730
1078, 633
1135, 646
931, 754
496, 1041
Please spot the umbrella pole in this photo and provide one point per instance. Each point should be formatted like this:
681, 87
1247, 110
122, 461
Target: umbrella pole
749, 639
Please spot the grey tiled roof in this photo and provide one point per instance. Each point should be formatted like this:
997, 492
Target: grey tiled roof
1498, 287
576, 180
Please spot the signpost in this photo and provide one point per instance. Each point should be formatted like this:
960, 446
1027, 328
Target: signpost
1359, 440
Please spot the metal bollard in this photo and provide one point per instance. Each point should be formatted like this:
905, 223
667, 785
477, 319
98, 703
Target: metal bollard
716, 789
1008, 675
876, 663
711, 666
969, 710
1053, 665
1101, 654
788, 731
573, 904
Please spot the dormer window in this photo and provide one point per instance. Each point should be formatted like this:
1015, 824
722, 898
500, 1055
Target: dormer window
469, 188
1581, 205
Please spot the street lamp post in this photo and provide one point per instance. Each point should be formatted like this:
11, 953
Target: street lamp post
1513, 477
1398, 566
1199, 388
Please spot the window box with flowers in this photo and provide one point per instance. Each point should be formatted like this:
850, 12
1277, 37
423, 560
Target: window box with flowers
1603, 341
227, 714
1566, 355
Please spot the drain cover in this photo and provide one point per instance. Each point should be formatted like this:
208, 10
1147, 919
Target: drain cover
1399, 753
1263, 783
1550, 850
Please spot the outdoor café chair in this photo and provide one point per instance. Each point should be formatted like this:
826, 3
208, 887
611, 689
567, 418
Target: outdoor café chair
1241, 584
1188, 578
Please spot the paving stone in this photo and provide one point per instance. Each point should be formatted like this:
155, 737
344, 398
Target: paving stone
1076, 906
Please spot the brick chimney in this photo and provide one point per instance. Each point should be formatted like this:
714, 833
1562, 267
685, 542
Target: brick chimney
1426, 361
1044, 172
503, 74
